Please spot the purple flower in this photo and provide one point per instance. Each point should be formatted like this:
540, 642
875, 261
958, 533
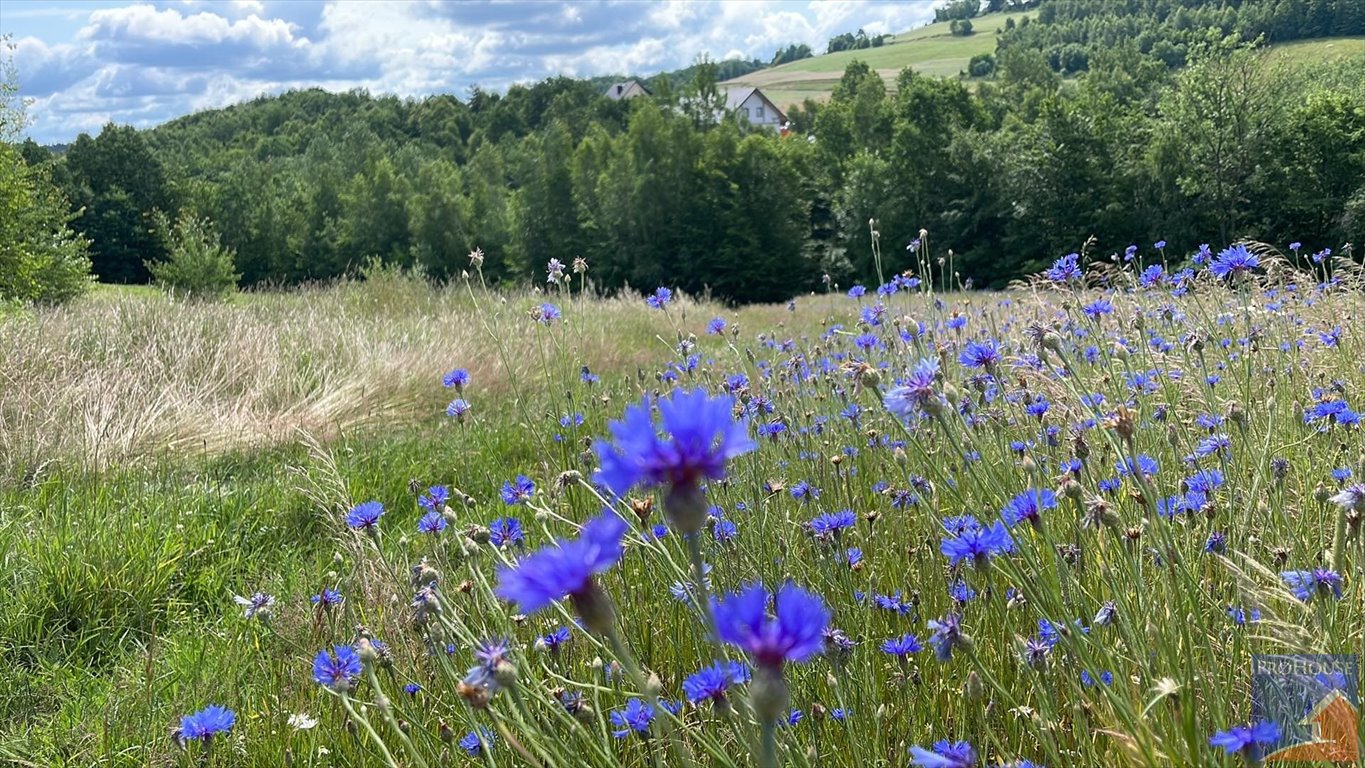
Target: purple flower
564, 568
902, 646
660, 298
635, 717
457, 408
916, 393
945, 755
206, 723
712, 682
977, 544
518, 491
980, 354
694, 438
547, 313
477, 741
716, 326
1305, 584
504, 531
457, 379
1234, 261
1065, 269
337, 669
1028, 506
366, 515
1247, 740
432, 522
796, 633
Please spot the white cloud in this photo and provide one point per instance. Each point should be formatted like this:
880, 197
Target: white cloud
143, 63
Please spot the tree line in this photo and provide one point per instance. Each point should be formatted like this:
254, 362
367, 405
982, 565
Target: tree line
653, 191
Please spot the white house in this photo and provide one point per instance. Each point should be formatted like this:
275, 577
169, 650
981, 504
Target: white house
629, 89
753, 106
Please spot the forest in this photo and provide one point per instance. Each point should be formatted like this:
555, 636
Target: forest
1102, 125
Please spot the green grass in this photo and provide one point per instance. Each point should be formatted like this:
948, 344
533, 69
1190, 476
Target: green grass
1309, 52
931, 50
119, 578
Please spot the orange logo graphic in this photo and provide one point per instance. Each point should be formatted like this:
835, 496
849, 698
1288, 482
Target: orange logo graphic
1332, 723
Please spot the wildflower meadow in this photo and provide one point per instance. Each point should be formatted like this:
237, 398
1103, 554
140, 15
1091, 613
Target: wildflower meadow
886, 525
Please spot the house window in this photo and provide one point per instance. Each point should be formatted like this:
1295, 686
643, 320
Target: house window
746, 112
760, 113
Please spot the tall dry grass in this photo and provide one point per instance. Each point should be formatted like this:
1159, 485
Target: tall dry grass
123, 375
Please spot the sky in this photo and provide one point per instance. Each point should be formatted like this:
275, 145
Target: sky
83, 63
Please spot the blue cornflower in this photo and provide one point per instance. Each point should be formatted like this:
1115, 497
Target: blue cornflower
945, 754
1066, 269
547, 313
434, 498
566, 568
412, 689
1217, 542
660, 298
207, 723
1038, 407
1088, 680
711, 683
1305, 584
555, 639
961, 591
699, 436
916, 393
977, 544
1234, 261
1350, 498
827, 527
504, 531
980, 354
636, 717
366, 515
857, 292
1247, 741
337, 669
1106, 614
1098, 308
724, 531
902, 646
1028, 506
795, 634
257, 605
1331, 411
517, 491
328, 598
1146, 465
716, 326
947, 636
492, 651
854, 557
432, 522
457, 379
478, 741
457, 408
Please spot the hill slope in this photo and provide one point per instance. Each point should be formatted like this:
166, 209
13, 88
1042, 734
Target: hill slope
932, 50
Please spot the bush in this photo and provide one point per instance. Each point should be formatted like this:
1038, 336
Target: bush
982, 65
199, 264
960, 27
41, 259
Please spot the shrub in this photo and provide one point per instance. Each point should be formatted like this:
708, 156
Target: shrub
199, 265
41, 259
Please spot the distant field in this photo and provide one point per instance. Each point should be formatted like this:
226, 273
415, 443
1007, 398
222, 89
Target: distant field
931, 50
1312, 51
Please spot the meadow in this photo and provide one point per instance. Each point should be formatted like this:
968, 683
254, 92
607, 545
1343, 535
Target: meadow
388, 522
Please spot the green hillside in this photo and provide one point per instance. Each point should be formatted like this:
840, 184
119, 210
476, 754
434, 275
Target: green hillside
933, 51
930, 49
